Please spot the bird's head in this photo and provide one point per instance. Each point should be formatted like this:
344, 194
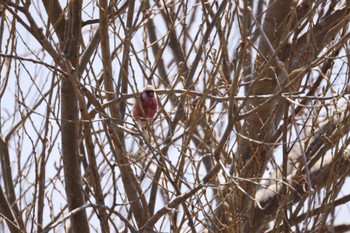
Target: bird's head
148, 91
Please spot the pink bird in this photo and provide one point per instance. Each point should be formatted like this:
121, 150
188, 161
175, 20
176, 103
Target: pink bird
145, 106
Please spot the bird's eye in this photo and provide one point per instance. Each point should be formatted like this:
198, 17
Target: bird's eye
150, 93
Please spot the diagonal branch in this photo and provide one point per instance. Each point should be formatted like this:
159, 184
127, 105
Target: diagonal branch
321, 166
8, 209
131, 185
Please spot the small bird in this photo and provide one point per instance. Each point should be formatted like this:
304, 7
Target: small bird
145, 108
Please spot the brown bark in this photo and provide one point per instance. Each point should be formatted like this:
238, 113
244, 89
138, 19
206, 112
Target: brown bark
70, 118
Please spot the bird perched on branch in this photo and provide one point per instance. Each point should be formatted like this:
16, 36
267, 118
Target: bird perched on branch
145, 108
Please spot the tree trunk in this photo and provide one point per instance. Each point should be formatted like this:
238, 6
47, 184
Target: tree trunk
70, 119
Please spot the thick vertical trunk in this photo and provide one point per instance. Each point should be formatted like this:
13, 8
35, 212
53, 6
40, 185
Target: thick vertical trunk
70, 153
259, 127
70, 119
